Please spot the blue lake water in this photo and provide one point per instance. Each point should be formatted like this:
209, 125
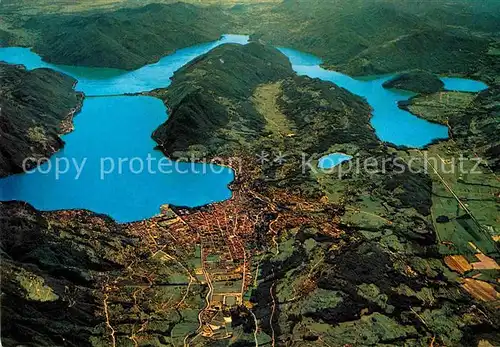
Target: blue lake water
103, 81
117, 129
463, 84
331, 160
114, 128
391, 124
125, 192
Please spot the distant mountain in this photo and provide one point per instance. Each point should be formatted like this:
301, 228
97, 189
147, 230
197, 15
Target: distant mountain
126, 38
378, 37
438, 51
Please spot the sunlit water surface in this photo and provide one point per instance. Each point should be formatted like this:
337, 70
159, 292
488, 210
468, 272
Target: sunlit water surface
117, 129
391, 123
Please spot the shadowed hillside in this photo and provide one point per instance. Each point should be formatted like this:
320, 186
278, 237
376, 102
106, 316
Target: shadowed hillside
127, 38
222, 100
74, 278
432, 50
378, 37
209, 100
36, 107
358, 37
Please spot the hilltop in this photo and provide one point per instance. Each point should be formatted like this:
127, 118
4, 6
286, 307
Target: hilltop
236, 96
393, 36
126, 38
36, 107
416, 81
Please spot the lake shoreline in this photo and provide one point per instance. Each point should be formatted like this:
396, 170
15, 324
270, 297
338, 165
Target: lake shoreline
103, 90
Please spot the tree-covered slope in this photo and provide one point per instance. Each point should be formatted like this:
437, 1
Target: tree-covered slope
382, 281
357, 37
36, 107
324, 115
126, 38
478, 128
349, 257
416, 81
74, 278
473, 119
235, 96
482, 16
438, 51
377, 37
209, 100
334, 30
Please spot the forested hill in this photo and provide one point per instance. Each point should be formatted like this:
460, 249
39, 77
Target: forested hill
36, 107
358, 37
127, 38
210, 99
377, 37
235, 97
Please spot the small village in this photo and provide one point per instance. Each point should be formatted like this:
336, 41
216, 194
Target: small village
223, 241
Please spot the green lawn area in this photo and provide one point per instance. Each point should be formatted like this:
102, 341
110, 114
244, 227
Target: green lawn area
477, 192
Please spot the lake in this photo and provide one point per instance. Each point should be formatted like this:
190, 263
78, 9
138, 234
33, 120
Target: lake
111, 129
108, 182
104, 81
332, 160
391, 123
112, 137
